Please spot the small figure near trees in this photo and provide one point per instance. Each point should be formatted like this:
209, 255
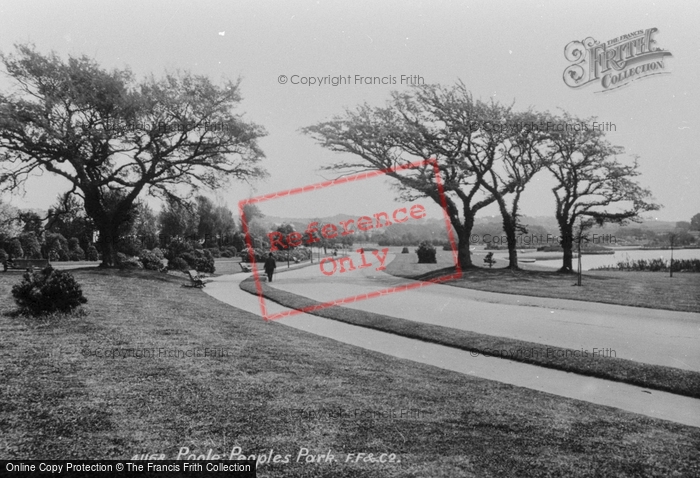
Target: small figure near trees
270, 266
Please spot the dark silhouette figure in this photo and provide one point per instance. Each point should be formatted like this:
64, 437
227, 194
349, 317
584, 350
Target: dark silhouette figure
270, 266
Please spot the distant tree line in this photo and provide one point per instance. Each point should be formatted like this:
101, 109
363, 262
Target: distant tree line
66, 233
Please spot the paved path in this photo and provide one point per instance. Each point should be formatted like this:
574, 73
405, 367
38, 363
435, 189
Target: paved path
603, 392
644, 335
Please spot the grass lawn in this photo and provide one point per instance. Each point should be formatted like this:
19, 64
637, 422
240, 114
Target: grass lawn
274, 387
654, 290
227, 265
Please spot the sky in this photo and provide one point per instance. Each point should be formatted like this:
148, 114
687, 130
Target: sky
510, 51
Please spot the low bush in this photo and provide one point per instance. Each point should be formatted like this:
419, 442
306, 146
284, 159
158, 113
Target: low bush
158, 252
75, 252
655, 265
131, 246
178, 264
56, 247
204, 261
92, 254
215, 252
48, 291
126, 262
426, 253
190, 258
150, 261
260, 254
176, 248
15, 249
404, 250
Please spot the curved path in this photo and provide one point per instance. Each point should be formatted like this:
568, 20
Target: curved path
658, 337
603, 392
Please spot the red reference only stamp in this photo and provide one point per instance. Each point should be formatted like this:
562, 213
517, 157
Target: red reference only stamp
330, 266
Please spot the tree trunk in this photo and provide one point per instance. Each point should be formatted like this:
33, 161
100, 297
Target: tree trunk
463, 255
509, 224
108, 246
567, 244
463, 241
512, 254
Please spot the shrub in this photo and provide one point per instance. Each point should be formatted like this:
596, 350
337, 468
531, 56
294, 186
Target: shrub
126, 262
226, 253
158, 253
215, 252
204, 261
426, 253
178, 264
260, 254
16, 250
3, 256
131, 246
48, 291
176, 248
150, 261
30, 245
92, 254
404, 250
655, 265
190, 258
56, 247
76, 252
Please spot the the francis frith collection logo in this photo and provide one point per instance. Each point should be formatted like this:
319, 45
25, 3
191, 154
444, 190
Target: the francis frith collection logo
614, 63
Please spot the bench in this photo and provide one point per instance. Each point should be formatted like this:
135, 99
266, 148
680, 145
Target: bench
26, 264
197, 280
245, 268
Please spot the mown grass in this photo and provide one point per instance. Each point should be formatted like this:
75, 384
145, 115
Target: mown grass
669, 379
59, 400
639, 289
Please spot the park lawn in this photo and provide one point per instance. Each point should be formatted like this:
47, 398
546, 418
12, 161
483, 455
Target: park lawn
654, 290
60, 400
227, 265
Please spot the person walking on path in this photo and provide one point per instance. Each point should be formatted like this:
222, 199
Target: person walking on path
270, 266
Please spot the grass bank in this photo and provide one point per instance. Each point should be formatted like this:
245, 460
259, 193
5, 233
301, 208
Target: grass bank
639, 289
86, 387
669, 379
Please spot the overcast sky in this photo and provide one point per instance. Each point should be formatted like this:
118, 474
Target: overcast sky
511, 51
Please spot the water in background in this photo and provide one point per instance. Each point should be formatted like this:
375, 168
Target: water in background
589, 262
